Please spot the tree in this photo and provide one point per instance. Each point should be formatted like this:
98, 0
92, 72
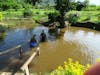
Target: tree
62, 6
80, 5
86, 3
33, 2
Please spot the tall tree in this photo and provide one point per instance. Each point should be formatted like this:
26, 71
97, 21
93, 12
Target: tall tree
62, 6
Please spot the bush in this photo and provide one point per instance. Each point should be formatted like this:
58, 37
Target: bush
72, 18
1, 16
2, 29
27, 13
37, 13
5, 6
70, 68
27, 6
17, 6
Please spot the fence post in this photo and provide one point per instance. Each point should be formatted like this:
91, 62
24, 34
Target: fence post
27, 71
38, 51
20, 52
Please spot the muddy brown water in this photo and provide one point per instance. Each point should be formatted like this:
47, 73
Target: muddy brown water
80, 44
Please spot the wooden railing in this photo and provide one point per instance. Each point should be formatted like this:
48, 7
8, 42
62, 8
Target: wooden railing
24, 67
13, 49
28, 61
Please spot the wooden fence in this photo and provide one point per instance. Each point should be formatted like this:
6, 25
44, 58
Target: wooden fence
13, 49
24, 67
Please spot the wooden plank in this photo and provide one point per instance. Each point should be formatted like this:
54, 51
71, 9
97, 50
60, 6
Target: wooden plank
9, 50
30, 59
27, 71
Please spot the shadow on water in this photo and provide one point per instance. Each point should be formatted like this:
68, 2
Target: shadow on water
78, 43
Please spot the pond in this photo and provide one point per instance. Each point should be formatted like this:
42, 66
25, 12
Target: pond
78, 43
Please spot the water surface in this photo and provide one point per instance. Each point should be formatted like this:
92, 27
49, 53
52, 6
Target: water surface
78, 43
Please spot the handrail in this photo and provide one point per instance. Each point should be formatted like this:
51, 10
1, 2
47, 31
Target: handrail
28, 61
13, 49
9, 50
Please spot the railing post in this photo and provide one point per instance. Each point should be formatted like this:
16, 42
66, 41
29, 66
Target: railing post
38, 51
27, 71
20, 52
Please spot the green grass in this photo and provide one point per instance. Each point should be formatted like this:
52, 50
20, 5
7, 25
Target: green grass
42, 14
38, 14
85, 14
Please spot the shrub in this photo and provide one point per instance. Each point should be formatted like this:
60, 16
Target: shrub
27, 13
27, 6
70, 68
73, 17
5, 6
2, 29
17, 6
37, 13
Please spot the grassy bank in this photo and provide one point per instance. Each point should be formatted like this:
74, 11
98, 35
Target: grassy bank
19, 14
17, 17
87, 16
42, 14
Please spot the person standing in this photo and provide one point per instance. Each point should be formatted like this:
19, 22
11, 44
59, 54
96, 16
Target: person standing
33, 42
43, 37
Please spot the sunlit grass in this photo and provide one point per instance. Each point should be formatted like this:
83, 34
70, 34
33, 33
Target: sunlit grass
85, 14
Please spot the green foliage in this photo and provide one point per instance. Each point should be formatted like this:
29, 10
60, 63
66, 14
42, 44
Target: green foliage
70, 68
2, 29
86, 3
80, 6
73, 17
32, 2
5, 5
63, 5
27, 13
89, 16
17, 6
1, 16
52, 16
27, 6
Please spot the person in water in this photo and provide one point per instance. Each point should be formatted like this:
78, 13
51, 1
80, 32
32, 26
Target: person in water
33, 42
43, 36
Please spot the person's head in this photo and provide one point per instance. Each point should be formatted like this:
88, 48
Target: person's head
34, 35
42, 31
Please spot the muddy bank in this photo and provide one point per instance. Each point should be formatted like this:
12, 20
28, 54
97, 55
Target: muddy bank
18, 23
90, 25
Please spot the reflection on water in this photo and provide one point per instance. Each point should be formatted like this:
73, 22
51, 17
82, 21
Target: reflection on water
78, 43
